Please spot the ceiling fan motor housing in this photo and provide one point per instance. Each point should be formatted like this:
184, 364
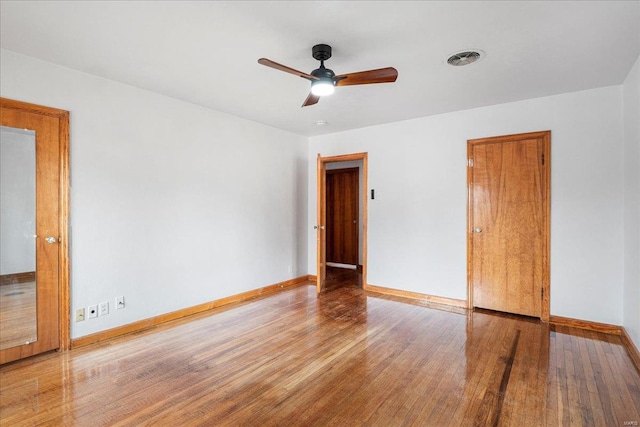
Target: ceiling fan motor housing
323, 73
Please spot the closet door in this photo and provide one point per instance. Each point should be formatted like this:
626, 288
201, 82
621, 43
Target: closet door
33, 254
509, 223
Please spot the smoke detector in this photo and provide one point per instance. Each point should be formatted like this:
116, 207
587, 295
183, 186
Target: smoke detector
465, 58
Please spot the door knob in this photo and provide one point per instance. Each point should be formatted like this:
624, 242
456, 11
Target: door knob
50, 239
321, 227
478, 230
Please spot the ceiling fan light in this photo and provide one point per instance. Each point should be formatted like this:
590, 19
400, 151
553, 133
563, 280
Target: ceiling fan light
322, 87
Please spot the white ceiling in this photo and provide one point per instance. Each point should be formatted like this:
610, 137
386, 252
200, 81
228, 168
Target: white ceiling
206, 52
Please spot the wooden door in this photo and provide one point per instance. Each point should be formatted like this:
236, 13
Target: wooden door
508, 223
51, 207
342, 216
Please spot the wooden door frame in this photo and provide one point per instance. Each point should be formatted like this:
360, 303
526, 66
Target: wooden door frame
546, 233
64, 318
321, 208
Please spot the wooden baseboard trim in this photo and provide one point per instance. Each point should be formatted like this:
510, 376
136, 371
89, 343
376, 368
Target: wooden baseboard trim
586, 324
144, 324
15, 278
313, 277
452, 302
633, 351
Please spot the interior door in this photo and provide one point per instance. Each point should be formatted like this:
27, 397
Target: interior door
42, 230
342, 216
321, 261
509, 223
320, 226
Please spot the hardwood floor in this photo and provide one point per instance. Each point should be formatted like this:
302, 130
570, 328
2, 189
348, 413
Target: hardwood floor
342, 278
344, 358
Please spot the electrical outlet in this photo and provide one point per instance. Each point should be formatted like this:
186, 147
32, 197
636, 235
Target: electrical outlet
119, 303
104, 308
93, 311
80, 315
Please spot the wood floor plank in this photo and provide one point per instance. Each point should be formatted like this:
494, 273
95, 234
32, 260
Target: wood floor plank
343, 358
551, 414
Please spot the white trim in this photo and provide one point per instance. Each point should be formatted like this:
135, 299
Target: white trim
337, 264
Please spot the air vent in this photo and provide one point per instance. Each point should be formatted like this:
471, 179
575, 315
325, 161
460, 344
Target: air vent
464, 58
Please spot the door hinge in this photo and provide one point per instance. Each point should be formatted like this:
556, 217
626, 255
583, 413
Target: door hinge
470, 163
543, 159
542, 294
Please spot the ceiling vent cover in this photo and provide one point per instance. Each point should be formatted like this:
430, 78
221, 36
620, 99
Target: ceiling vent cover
464, 58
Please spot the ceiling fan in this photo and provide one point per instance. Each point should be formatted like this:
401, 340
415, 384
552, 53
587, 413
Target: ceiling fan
324, 80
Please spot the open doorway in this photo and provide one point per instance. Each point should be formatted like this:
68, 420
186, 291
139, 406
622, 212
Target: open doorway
342, 215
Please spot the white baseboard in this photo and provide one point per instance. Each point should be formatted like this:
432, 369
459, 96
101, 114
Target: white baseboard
337, 264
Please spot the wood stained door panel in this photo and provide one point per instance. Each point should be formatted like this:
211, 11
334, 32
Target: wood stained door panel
342, 216
508, 223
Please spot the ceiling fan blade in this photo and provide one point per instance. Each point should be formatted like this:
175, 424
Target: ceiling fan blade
270, 63
381, 75
311, 99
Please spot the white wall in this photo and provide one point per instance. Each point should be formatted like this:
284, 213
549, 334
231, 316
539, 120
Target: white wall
172, 204
631, 294
417, 222
17, 201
